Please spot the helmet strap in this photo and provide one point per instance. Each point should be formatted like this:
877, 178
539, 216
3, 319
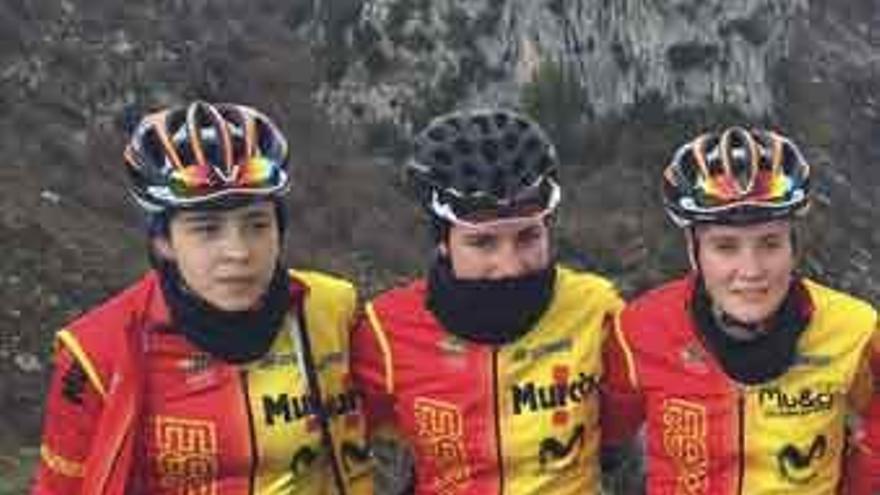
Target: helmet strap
693, 247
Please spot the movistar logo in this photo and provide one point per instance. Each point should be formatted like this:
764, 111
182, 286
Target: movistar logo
302, 460
292, 408
775, 401
352, 454
794, 464
534, 397
552, 449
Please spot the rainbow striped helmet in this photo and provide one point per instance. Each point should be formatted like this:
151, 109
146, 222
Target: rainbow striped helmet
201, 153
737, 176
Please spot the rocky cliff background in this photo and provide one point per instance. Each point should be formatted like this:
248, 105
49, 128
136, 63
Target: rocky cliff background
618, 84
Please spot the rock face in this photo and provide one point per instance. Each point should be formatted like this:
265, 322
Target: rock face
407, 54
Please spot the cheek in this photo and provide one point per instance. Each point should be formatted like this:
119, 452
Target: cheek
467, 264
272, 256
716, 276
193, 267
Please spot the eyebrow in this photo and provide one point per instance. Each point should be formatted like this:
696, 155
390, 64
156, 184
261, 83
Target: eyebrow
198, 217
211, 216
478, 235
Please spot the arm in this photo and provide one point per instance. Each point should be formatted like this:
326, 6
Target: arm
373, 375
622, 407
863, 476
371, 369
72, 407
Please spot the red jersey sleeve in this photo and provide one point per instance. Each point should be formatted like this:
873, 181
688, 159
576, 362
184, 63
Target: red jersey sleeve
622, 407
71, 411
372, 370
864, 467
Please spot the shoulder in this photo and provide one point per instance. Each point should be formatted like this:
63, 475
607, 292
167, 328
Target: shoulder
834, 310
95, 339
675, 293
586, 286
409, 295
590, 281
325, 289
320, 281
120, 311
825, 298
327, 298
660, 307
402, 310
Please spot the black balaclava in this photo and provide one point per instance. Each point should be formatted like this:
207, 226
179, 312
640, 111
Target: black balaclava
233, 336
488, 311
769, 354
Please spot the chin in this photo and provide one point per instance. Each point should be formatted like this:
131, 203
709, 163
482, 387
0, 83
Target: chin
751, 315
235, 303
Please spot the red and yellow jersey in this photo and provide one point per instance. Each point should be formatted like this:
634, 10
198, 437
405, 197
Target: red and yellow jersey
520, 418
707, 434
206, 426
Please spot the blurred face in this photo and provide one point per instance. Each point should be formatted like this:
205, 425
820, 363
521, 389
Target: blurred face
225, 256
747, 269
498, 249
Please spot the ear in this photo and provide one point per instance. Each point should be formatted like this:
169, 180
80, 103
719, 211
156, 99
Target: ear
163, 248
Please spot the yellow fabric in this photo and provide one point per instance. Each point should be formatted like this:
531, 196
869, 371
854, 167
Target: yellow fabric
534, 367
799, 417
69, 341
376, 327
626, 350
330, 306
60, 464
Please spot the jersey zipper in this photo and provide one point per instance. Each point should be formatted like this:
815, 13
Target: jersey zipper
243, 376
496, 399
741, 411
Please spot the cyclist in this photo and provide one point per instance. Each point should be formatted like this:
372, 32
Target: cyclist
488, 368
220, 371
744, 371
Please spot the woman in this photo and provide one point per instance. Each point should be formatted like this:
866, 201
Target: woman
488, 368
744, 371
220, 371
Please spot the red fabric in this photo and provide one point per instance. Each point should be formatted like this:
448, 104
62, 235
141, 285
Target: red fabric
673, 364
865, 464
69, 432
622, 408
461, 379
104, 434
109, 436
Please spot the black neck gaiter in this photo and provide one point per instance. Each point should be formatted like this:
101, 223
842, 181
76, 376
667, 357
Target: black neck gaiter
233, 336
488, 311
765, 357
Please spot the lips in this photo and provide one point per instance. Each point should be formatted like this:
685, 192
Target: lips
751, 293
236, 282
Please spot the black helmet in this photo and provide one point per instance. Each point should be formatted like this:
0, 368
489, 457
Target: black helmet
201, 153
483, 160
736, 176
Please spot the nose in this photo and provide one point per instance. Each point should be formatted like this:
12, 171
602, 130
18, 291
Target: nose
751, 266
235, 244
508, 263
